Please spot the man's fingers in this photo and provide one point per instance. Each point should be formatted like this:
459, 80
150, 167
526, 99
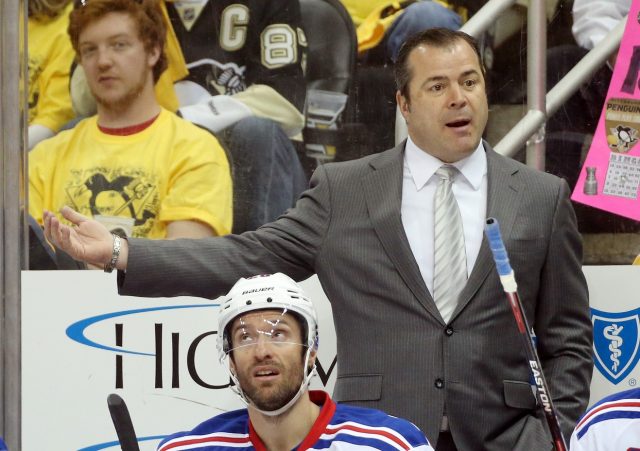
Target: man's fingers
73, 216
57, 233
46, 220
49, 225
54, 231
65, 234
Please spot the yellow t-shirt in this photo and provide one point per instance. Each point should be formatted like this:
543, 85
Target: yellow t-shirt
170, 171
371, 24
359, 9
50, 59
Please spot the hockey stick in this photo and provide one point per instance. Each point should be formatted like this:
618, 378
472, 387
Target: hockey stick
508, 280
122, 422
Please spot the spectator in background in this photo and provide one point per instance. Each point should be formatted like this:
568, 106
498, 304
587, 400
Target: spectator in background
387, 24
612, 424
241, 64
576, 121
570, 129
135, 167
594, 19
268, 342
245, 61
50, 60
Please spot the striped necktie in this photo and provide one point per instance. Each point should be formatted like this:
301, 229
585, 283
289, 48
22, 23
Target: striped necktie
450, 260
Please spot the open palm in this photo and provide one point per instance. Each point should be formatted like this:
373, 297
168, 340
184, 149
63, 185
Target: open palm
86, 240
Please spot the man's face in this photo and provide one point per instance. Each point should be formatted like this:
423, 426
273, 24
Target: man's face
267, 357
446, 111
117, 66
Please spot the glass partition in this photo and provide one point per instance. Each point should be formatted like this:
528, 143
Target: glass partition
362, 124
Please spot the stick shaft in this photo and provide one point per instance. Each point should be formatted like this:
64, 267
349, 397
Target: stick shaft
122, 423
508, 281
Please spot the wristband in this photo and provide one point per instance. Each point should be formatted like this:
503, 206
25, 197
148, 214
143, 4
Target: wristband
115, 253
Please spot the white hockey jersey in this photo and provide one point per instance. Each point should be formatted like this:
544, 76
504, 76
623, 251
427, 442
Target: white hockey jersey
611, 424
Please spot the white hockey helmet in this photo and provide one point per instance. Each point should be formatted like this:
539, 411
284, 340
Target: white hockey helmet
267, 292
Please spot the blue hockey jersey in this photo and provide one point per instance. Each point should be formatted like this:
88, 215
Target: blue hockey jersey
338, 427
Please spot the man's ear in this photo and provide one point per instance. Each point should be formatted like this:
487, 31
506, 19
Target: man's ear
403, 104
232, 365
312, 357
153, 56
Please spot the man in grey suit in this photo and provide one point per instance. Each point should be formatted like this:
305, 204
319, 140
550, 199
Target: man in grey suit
366, 228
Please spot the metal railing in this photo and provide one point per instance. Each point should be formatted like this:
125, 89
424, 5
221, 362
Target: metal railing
12, 239
536, 76
486, 16
560, 93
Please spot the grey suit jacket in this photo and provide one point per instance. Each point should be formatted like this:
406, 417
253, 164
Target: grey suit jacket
395, 352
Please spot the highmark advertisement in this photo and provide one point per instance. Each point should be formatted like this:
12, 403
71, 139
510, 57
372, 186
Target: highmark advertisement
82, 341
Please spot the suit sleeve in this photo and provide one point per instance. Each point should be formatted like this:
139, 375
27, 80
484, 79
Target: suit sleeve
562, 320
276, 59
209, 267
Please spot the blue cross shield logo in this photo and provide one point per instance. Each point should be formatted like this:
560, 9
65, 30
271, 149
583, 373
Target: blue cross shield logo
616, 343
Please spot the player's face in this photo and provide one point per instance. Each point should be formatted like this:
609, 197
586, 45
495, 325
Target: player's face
446, 111
267, 357
116, 64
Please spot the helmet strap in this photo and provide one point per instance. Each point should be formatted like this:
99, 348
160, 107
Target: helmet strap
306, 380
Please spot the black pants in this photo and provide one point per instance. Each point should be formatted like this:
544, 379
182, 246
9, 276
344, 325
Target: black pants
445, 442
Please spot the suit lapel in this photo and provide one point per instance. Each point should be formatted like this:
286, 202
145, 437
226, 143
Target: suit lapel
503, 195
383, 193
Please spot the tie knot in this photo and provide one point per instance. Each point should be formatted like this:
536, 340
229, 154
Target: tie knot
446, 172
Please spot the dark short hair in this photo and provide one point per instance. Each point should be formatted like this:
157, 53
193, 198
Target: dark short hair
46, 8
433, 37
146, 14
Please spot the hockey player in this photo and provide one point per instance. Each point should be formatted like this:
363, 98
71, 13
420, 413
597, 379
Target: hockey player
268, 341
611, 424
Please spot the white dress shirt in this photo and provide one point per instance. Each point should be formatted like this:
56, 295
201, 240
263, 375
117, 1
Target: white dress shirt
418, 191
593, 19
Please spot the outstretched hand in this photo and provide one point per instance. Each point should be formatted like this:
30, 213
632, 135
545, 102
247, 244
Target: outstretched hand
86, 240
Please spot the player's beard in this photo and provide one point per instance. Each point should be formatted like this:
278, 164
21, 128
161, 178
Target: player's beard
273, 398
123, 102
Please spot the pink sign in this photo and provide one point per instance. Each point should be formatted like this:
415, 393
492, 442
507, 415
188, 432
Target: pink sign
610, 177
